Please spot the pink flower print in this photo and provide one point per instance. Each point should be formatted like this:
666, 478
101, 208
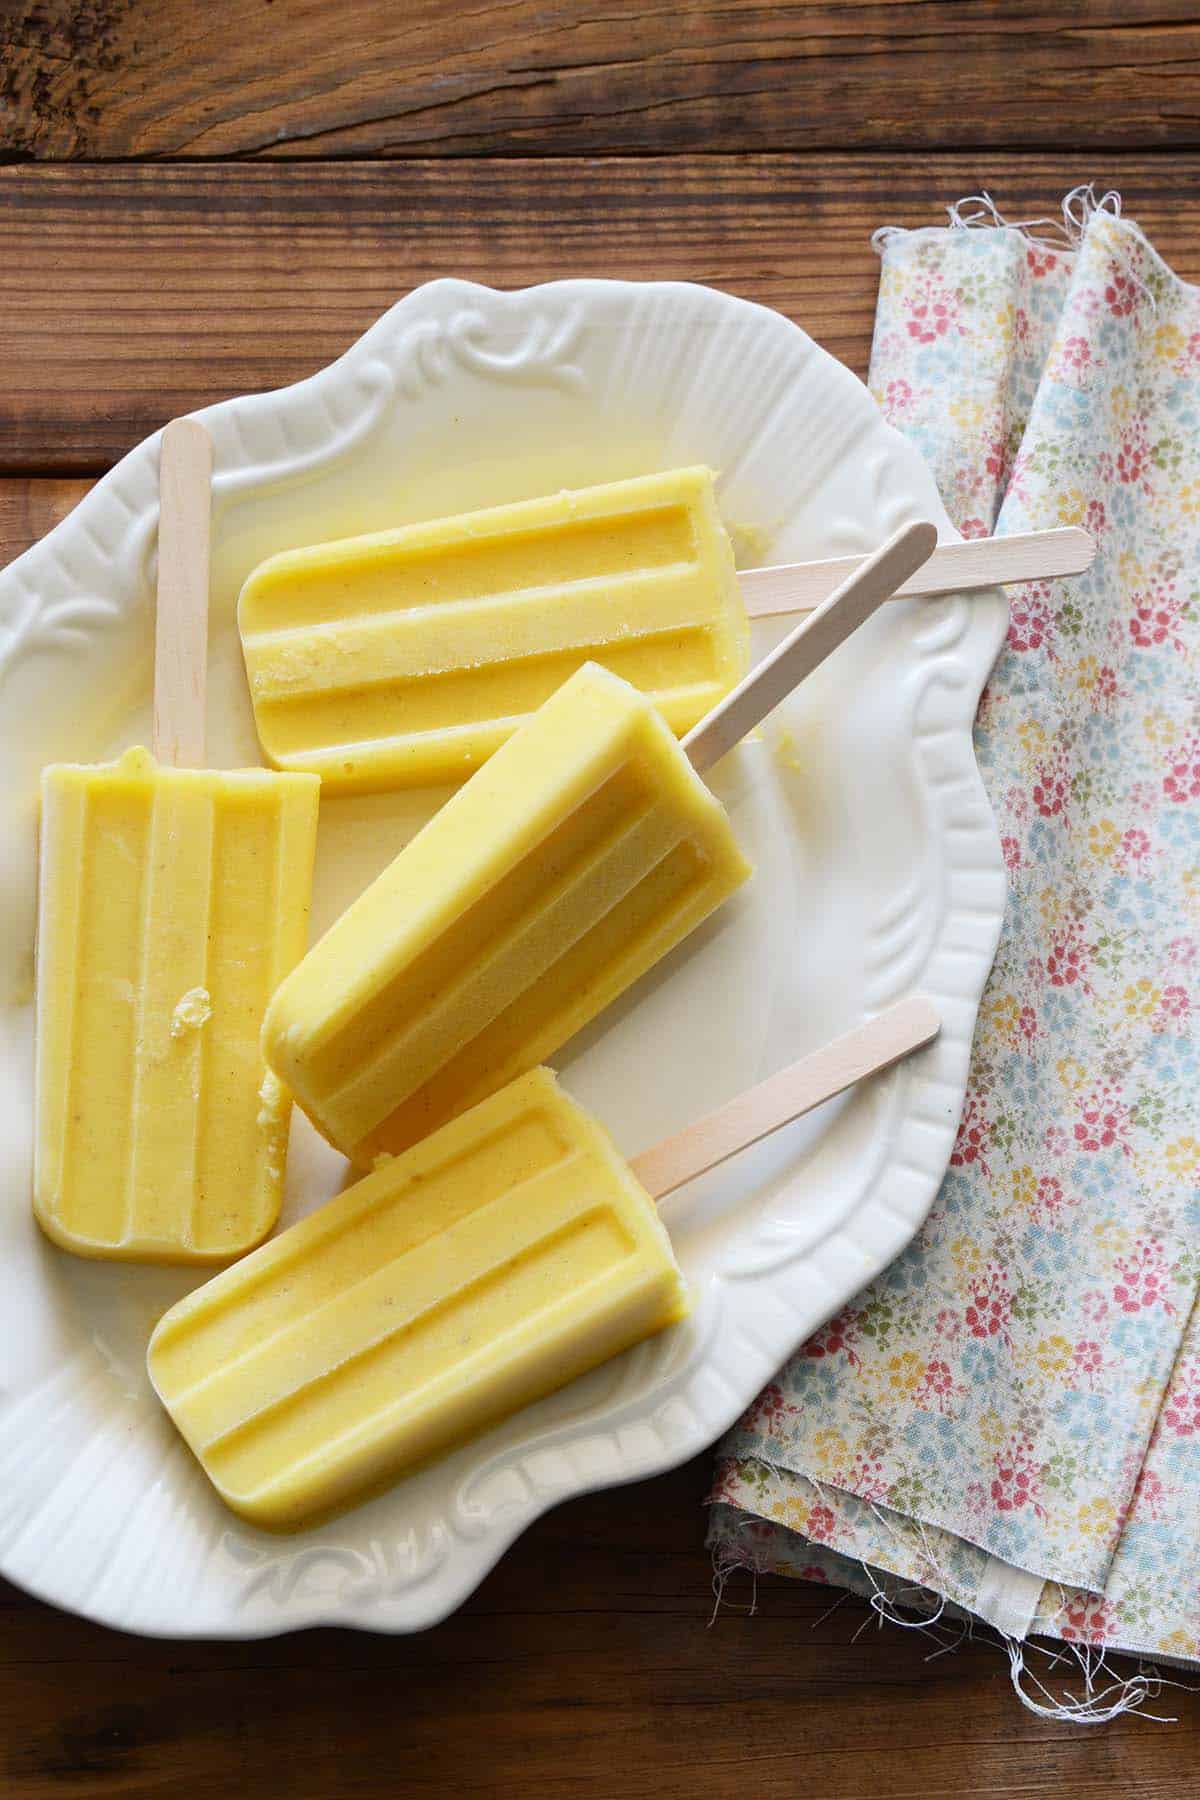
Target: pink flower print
1095, 518
1016, 481
1031, 623
995, 459
822, 1523
937, 1387
1143, 1279
1181, 783
1016, 802
1192, 353
1094, 1306
1052, 787
866, 1479
1133, 455
836, 1337
1067, 963
990, 1308
1027, 1024
811, 1572
1011, 847
1181, 1409
1103, 1121
1086, 1618
1150, 1496
948, 1325
1156, 618
1039, 261
724, 1486
1017, 1479
1181, 952
1135, 848
1174, 1006
1106, 468
1056, 1141
970, 1146
974, 528
1106, 690
933, 312
1050, 1196
1120, 295
1021, 326
897, 398
770, 1410
1087, 1360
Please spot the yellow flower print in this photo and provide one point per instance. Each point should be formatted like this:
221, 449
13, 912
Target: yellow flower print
829, 1450
1190, 883
1180, 1642
1004, 1011
1130, 570
991, 1429
904, 1372
1050, 905
1183, 1156
1187, 499
1097, 1518
1112, 1238
794, 1511
1120, 402
966, 1255
1071, 1073
1169, 342
1024, 1186
1160, 728
1086, 671
1053, 1354
1104, 840
1141, 999
1070, 505
1032, 738
966, 412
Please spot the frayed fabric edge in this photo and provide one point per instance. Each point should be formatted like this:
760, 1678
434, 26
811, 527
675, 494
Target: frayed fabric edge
1106, 1694
975, 212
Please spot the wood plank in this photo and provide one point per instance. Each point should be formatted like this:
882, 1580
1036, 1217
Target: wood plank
584, 1665
131, 293
207, 78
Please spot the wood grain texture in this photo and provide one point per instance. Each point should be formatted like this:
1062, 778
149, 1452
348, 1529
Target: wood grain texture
131, 293
586, 1665
154, 78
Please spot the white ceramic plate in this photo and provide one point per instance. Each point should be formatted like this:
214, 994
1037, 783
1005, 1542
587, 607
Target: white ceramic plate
879, 874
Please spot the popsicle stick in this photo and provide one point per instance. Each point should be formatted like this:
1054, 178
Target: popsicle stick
181, 619
952, 569
815, 638
787, 1096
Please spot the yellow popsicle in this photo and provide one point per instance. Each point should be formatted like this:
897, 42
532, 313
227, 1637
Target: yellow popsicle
407, 657
574, 859
172, 903
486, 1267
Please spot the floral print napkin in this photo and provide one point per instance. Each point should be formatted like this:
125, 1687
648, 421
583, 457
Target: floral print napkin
1009, 1418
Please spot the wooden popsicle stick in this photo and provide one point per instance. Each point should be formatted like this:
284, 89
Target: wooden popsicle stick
181, 618
952, 569
815, 638
786, 1096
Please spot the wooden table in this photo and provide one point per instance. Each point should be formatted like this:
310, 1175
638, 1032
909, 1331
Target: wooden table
210, 196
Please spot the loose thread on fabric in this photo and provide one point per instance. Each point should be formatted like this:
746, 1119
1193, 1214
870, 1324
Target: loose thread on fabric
1080, 205
979, 212
1097, 1705
1094, 1707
